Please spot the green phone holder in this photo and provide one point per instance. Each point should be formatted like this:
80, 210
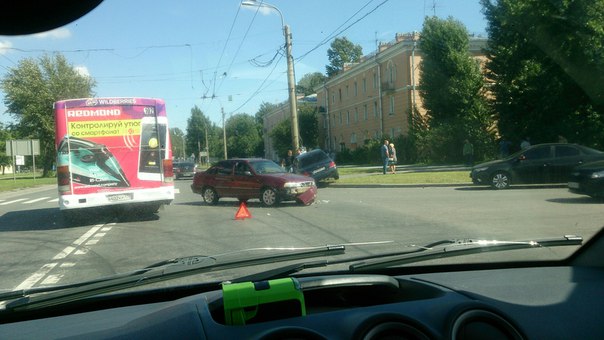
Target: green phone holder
252, 302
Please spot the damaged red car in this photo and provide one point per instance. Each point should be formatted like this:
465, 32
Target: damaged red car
251, 178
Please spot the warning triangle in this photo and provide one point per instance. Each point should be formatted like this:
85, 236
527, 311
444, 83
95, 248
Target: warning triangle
242, 213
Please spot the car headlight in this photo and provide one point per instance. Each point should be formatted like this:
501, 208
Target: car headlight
480, 169
598, 174
292, 185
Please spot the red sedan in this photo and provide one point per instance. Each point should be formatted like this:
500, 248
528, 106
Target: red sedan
253, 178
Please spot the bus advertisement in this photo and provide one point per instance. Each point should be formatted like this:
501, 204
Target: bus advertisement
113, 152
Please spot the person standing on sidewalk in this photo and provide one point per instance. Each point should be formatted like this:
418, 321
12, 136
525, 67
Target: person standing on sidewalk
385, 156
392, 158
468, 153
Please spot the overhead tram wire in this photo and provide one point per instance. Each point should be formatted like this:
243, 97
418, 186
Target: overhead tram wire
224, 48
333, 34
238, 48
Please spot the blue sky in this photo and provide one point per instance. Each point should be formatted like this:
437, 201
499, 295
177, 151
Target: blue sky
201, 52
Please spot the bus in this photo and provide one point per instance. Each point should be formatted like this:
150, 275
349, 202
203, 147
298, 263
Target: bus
113, 152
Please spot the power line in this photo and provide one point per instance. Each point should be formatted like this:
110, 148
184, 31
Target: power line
333, 34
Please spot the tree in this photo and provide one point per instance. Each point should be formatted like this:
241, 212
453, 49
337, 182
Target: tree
265, 108
308, 83
31, 88
281, 136
243, 137
452, 92
308, 121
177, 136
5, 160
198, 125
547, 67
340, 52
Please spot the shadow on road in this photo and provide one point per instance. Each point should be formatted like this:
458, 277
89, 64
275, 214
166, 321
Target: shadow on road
52, 218
577, 200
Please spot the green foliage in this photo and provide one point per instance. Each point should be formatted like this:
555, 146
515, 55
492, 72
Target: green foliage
453, 95
547, 67
340, 52
198, 125
177, 137
31, 88
307, 84
243, 137
308, 125
281, 136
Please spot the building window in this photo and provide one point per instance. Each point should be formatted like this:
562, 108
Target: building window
375, 80
353, 138
364, 85
356, 114
356, 89
347, 117
392, 133
340, 94
391, 112
365, 114
333, 98
391, 69
347, 95
375, 109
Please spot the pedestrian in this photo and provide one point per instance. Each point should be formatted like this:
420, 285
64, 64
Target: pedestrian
526, 142
288, 161
504, 147
392, 159
468, 153
385, 156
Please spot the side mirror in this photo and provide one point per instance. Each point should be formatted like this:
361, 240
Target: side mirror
247, 173
522, 158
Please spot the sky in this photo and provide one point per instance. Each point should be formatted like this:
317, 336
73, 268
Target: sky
218, 55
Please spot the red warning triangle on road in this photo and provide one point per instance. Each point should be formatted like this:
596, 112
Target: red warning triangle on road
242, 213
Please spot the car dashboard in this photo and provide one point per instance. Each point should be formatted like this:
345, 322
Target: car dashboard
508, 303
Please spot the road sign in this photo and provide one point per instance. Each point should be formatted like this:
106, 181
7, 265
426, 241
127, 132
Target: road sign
27, 147
19, 159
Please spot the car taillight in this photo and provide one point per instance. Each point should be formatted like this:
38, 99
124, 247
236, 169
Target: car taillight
168, 170
332, 164
306, 173
64, 179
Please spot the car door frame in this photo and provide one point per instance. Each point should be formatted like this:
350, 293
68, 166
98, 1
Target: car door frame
529, 170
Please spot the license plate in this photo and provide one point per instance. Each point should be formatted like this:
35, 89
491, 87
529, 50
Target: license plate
318, 170
120, 197
573, 185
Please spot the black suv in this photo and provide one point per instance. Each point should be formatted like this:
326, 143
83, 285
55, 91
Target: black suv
316, 164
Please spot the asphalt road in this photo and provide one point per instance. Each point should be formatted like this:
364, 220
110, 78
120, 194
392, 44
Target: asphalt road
38, 249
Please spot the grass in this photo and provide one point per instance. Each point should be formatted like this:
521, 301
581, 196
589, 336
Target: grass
25, 180
434, 177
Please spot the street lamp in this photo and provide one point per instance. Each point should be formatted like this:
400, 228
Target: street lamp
291, 84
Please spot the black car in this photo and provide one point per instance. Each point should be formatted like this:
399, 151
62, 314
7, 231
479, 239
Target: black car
542, 163
316, 164
184, 169
588, 179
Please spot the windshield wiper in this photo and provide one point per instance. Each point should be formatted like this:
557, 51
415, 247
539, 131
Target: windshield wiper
161, 271
453, 248
439, 249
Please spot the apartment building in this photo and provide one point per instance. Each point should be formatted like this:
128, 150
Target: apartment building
374, 97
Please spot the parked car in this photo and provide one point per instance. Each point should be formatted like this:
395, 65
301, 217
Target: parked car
184, 169
253, 178
542, 163
588, 179
316, 164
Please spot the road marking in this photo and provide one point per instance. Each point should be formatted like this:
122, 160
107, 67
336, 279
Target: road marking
13, 201
35, 277
176, 191
54, 200
52, 279
35, 200
43, 272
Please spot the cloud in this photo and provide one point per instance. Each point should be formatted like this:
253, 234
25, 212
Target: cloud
59, 33
82, 70
5, 46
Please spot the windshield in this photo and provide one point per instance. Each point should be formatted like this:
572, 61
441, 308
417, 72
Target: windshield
266, 167
136, 134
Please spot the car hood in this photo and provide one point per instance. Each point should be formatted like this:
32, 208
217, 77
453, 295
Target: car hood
491, 163
288, 177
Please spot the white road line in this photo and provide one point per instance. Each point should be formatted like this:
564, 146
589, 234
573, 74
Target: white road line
54, 200
176, 191
52, 279
13, 201
35, 200
35, 277
42, 272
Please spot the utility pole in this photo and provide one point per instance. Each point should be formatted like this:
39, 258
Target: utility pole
291, 84
224, 134
207, 147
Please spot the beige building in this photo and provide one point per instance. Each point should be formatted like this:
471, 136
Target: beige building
374, 97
